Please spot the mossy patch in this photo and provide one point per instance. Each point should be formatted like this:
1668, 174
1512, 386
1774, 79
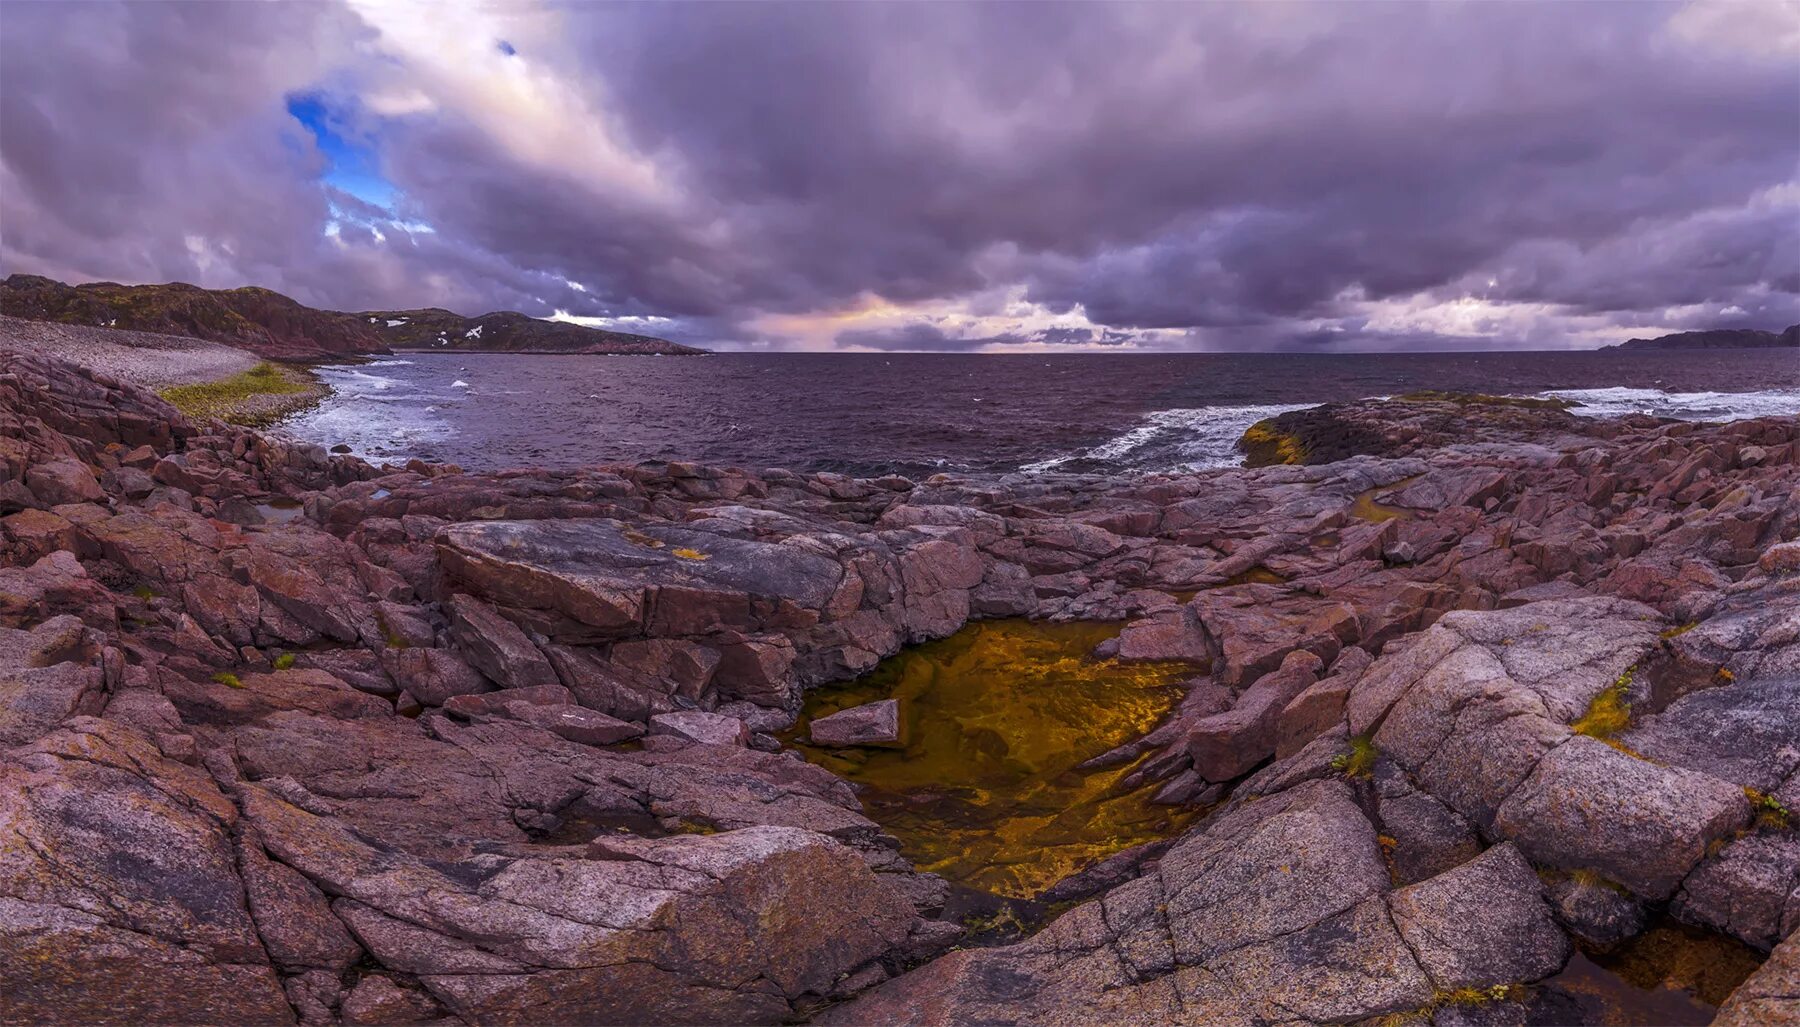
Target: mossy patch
284, 661
1609, 713
1264, 445
1770, 813
689, 554
228, 679
259, 396
1359, 761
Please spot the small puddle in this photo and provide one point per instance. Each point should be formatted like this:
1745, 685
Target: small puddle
995, 720
1672, 975
280, 511
1364, 507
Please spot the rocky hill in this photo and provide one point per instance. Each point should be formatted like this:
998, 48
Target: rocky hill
1717, 338
505, 331
275, 326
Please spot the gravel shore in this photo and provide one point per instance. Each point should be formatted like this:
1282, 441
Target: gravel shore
152, 361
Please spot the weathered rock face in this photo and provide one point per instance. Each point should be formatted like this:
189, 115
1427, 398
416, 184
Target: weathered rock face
504, 748
626, 931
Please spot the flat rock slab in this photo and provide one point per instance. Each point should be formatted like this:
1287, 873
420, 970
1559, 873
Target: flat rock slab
604, 574
1747, 732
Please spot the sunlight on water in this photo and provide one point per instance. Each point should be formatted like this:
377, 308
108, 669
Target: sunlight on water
983, 789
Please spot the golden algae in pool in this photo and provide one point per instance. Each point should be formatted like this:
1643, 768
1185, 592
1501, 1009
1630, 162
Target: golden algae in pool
983, 787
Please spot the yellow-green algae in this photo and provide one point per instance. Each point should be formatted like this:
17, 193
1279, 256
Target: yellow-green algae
983, 788
1364, 507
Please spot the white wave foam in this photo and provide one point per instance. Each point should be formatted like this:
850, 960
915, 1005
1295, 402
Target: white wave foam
1683, 406
1198, 438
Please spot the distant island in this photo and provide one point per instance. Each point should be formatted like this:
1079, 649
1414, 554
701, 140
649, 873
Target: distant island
1716, 338
278, 327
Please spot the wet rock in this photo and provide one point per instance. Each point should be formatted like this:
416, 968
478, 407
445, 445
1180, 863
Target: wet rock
1596, 911
1771, 996
876, 723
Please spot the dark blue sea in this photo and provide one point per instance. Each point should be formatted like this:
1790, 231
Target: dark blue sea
918, 414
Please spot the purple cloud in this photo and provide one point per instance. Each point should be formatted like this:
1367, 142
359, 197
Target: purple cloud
1214, 175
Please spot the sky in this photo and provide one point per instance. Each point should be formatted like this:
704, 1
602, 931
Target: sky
944, 177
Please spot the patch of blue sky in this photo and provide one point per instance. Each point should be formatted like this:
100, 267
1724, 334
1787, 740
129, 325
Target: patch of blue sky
353, 165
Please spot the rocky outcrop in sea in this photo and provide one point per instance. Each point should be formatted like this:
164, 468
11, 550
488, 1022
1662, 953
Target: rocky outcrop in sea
288, 737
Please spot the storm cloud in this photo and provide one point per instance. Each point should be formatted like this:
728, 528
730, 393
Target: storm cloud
930, 176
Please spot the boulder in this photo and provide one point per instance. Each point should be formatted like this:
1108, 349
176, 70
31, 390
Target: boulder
1590, 806
433, 676
1227, 745
1598, 912
574, 723
48, 674
876, 723
1750, 889
604, 577
64, 481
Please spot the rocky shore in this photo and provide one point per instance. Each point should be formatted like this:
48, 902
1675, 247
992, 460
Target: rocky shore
287, 737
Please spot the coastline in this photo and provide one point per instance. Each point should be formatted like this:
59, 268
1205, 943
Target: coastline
1447, 702
200, 378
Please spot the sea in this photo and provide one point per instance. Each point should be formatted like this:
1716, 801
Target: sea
919, 414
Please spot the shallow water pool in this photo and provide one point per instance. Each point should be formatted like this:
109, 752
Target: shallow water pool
983, 788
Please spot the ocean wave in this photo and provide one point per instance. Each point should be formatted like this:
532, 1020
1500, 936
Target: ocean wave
1193, 438
1683, 406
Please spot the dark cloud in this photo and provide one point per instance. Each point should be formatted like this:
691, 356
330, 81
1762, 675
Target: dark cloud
1211, 175
918, 337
